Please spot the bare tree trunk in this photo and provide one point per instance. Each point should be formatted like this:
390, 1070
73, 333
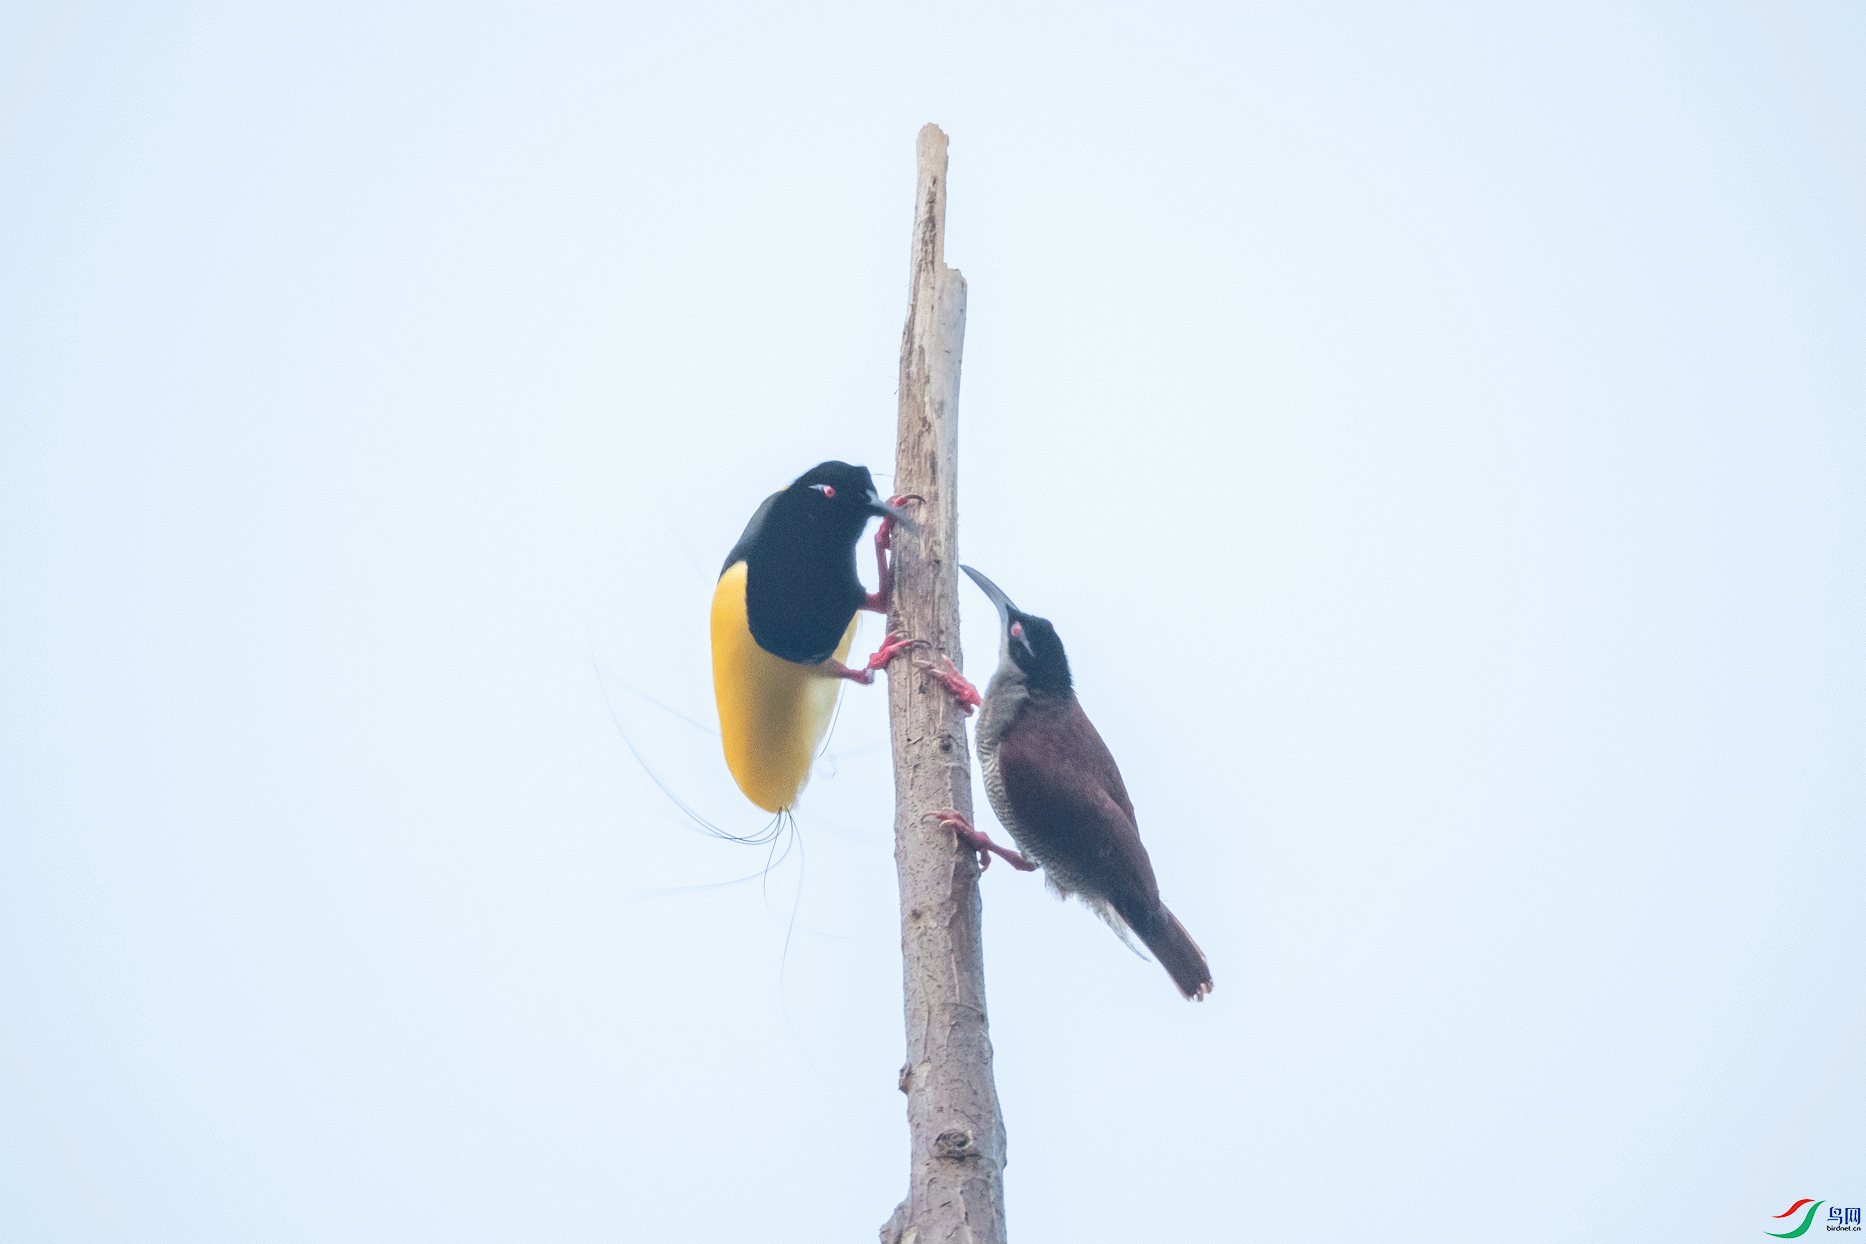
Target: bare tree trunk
956, 1187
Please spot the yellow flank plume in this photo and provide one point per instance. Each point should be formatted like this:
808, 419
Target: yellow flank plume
773, 713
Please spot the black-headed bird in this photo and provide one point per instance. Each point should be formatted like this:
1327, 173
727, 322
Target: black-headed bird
784, 615
1056, 788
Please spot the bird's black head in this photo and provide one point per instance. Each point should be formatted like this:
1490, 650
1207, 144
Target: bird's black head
1028, 642
841, 498
801, 587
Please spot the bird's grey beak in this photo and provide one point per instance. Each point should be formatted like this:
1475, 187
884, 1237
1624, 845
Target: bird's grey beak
996, 594
877, 506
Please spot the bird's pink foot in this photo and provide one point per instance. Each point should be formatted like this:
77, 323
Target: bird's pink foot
979, 842
950, 678
893, 647
877, 600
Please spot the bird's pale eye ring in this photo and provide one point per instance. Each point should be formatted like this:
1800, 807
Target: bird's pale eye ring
825, 489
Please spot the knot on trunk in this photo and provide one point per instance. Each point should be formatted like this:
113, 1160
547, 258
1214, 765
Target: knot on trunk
956, 1145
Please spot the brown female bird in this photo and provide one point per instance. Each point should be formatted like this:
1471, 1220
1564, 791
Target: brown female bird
1055, 786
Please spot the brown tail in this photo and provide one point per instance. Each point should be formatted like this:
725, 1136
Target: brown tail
1179, 955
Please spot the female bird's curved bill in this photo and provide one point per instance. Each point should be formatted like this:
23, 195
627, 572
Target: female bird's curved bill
998, 598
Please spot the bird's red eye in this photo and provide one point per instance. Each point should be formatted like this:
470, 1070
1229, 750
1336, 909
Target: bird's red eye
1017, 630
825, 489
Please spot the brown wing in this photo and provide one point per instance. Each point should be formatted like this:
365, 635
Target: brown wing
1069, 800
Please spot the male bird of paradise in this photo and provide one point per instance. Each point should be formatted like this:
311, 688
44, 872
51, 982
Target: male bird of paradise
783, 618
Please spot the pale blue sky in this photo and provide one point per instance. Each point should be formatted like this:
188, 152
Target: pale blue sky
1435, 431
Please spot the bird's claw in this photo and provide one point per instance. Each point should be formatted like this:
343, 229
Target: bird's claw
884, 536
955, 683
877, 600
893, 646
978, 842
